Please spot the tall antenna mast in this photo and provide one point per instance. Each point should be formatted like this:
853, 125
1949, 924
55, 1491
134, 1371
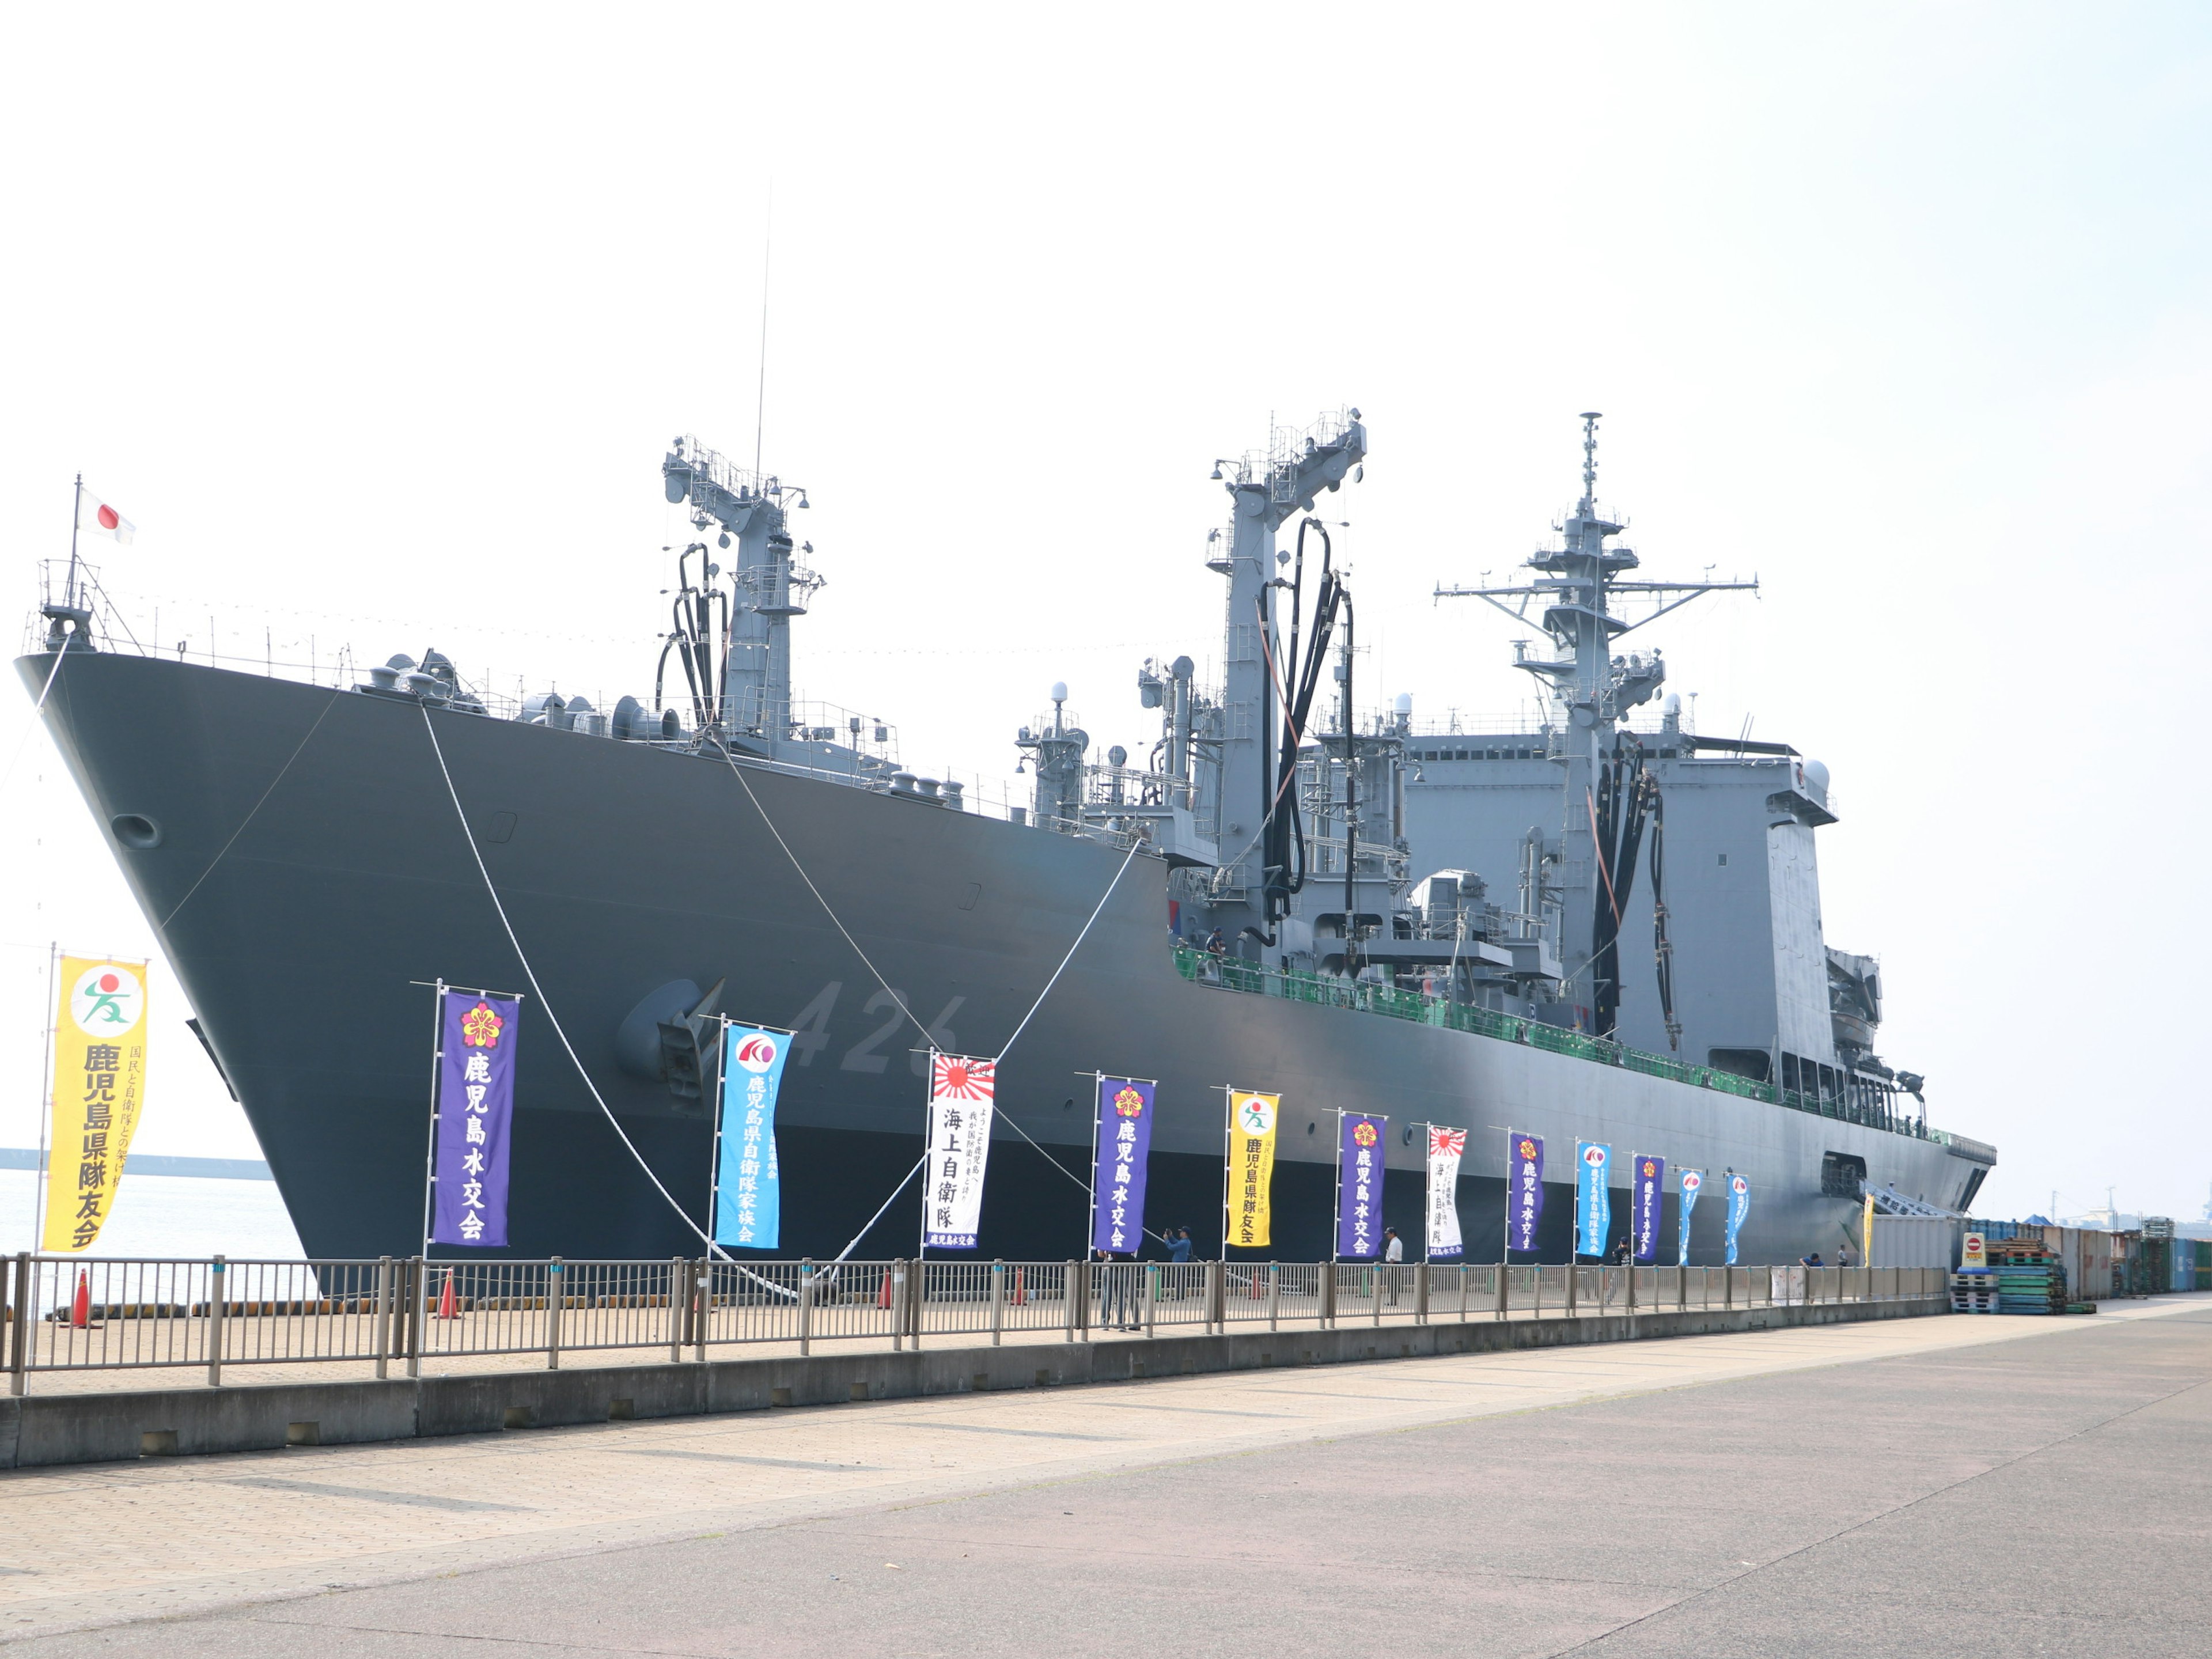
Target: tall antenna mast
1590, 418
760, 402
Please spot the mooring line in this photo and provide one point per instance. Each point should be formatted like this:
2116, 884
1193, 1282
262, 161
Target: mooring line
539, 990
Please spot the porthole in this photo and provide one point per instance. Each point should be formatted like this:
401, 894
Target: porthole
136, 830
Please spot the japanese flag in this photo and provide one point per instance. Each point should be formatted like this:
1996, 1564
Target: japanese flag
97, 516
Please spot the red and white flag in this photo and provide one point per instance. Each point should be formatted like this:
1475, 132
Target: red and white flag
97, 516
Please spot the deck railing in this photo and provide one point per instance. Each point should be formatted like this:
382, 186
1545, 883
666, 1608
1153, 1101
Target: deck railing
68, 1315
1362, 996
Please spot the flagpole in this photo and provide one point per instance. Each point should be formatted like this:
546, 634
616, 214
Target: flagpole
430, 1149
76, 512
1228, 1121
715, 1151
1336, 1221
929, 1150
1505, 1244
1428, 1191
1097, 1089
51, 1025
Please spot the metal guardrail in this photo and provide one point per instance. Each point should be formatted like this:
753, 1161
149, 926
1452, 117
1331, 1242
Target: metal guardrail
64, 1314
1362, 996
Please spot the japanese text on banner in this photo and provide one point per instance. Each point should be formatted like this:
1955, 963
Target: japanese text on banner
1738, 1206
1446, 1148
961, 1091
1117, 1178
1252, 1119
100, 1085
1360, 1186
475, 1111
1592, 1198
1646, 1182
748, 1192
1691, 1182
1524, 1189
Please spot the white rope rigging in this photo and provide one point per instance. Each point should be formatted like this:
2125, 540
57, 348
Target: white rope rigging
540, 991
997, 1117
530, 973
23, 737
257, 806
739, 772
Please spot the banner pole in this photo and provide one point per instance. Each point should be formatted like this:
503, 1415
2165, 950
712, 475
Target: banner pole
1336, 1219
430, 1148
76, 512
1505, 1243
51, 1025
1228, 1122
1428, 1195
1098, 1090
715, 1151
928, 1150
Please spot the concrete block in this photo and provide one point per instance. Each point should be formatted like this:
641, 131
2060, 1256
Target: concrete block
99, 1428
537, 1400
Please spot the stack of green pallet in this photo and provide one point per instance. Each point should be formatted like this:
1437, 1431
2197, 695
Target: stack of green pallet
2029, 1281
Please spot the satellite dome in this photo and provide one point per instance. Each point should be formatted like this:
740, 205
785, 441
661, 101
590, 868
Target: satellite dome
1816, 775
1060, 690
1405, 702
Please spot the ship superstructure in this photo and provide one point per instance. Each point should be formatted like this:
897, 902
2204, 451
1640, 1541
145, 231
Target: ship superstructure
1288, 892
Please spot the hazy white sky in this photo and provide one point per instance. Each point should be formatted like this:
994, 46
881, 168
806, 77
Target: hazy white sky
378, 326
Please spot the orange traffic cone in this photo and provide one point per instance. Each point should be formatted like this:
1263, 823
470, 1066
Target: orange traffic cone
1021, 1289
81, 1309
447, 1307
884, 1296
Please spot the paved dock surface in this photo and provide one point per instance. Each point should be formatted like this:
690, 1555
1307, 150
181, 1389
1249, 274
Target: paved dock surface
1955, 1485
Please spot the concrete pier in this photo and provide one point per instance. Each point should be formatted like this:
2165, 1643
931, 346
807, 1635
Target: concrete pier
89, 1426
1967, 1486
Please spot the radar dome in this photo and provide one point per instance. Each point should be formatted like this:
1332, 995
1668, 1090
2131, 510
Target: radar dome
1405, 702
1060, 690
1816, 775
1673, 705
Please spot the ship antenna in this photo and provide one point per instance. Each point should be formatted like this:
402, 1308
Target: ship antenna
760, 400
1590, 418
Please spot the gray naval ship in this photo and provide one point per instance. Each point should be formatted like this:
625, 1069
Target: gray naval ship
1604, 927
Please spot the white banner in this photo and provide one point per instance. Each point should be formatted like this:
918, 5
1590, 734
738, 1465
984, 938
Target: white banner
1446, 1148
960, 1103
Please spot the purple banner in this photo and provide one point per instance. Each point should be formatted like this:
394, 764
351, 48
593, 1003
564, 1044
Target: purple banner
1646, 1179
1124, 1139
1524, 1189
1359, 1187
475, 1106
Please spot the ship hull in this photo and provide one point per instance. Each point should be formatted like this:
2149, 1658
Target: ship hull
311, 875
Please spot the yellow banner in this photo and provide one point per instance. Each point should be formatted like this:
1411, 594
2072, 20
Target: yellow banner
1866, 1236
1251, 1166
99, 1083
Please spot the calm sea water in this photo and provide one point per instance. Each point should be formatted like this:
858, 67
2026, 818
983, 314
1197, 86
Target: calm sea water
168, 1216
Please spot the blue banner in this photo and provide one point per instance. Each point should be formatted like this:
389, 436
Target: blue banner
1692, 1180
476, 1105
1647, 1181
1524, 1189
1124, 1141
1593, 1202
748, 1197
1739, 1197
1360, 1186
